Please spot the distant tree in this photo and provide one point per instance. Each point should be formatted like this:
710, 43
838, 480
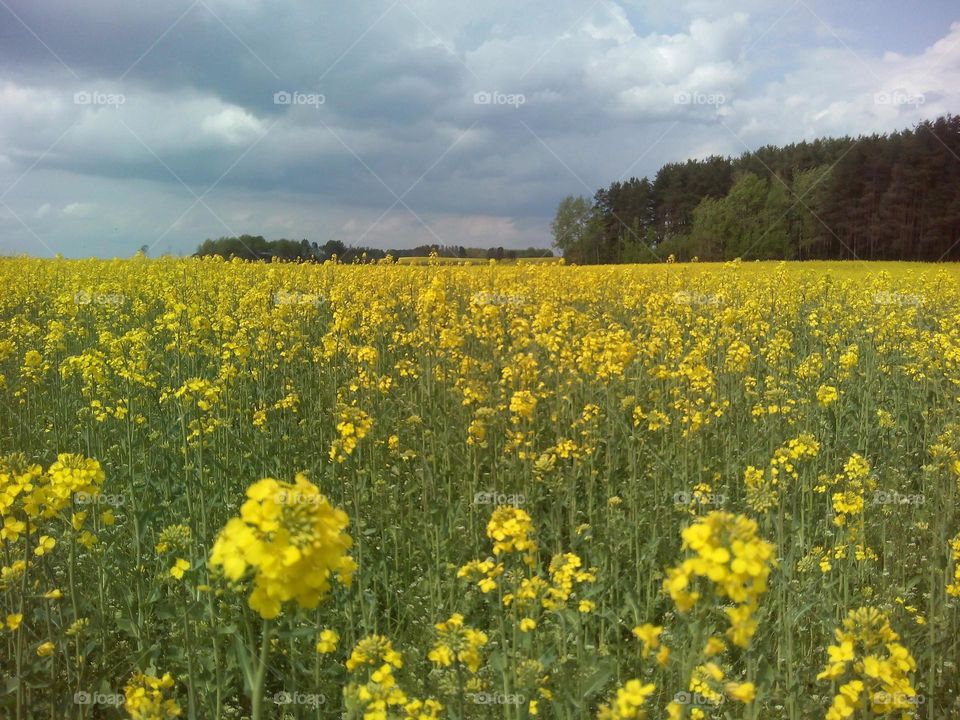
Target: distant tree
576, 230
808, 189
875, 197
331, 248
256, 247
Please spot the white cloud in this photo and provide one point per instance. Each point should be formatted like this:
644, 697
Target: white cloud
837, 92
233, 125
79, 209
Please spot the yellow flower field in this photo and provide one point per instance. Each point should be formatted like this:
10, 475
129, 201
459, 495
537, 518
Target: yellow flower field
236, 490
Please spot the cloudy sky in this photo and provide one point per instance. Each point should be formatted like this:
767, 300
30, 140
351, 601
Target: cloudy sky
393, 123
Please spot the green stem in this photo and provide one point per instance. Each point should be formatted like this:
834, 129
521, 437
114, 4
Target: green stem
256, 700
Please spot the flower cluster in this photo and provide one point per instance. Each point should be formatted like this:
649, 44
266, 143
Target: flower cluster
737, 562
764, 486
173, 538
565, 574
146, 698
205, 397
522, 405
292, 539
650, 636
511, 530
374, 690
28, 495
457, 642
628, 703
353, 424
328, 642
954, 587
482, 572
854, 482
869, 656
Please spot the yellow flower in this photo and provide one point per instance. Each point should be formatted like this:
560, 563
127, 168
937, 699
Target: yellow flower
147, 698
628, 702
527, 624
54, 594
827, 395
44, 545
737, 562
522, 405
511, 529
46, 649
353, 425
179, 568
714, 646
291, 539
954, 587
371, 650
328, 642
742, 692
12, 529
14, 620
649, 635
663, 656
441, 655
456, 641
868, 652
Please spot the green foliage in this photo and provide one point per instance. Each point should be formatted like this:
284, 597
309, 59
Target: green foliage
881, 197
574, 230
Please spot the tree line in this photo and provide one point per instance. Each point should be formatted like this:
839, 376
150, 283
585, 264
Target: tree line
877, 197
256, 247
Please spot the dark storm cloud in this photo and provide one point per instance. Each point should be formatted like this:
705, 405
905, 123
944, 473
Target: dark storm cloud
478, 117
